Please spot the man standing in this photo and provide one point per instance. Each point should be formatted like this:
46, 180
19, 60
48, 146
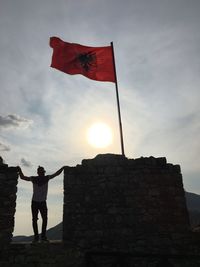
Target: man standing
40, 189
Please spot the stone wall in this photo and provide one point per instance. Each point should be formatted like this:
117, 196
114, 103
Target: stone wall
40, 255
8, 189
117, 212
58, 255
115, 203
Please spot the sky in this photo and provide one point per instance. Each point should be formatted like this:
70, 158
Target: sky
45, 114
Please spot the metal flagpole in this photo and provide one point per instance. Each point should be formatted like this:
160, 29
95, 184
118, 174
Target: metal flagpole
118, 105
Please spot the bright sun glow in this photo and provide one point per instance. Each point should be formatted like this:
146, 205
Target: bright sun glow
99, 135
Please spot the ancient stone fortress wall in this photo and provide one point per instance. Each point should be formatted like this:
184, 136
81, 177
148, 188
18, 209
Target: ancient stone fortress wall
53, 254
8, 189
111, 202
117, 212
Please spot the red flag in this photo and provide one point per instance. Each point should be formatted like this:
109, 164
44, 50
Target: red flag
95, 63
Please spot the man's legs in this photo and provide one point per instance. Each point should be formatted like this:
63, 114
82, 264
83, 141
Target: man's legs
35, 210
43, 211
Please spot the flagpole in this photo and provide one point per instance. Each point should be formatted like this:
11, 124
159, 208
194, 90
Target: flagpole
118, 105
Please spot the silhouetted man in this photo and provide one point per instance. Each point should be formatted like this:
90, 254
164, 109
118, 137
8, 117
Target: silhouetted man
40, 189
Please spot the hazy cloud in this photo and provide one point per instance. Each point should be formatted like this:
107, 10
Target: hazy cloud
4, 147
13, 120
26, 163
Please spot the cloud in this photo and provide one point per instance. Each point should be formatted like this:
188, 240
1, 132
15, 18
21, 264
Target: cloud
4, 147
26, 163
13, 120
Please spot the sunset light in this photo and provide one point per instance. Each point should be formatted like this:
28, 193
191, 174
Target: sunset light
99, 135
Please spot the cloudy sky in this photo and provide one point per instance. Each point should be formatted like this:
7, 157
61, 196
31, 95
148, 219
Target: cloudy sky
45, 114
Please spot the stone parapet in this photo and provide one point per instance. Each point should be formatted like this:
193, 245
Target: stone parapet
57, 254
8, 189
112, 202
40, 255
117, 212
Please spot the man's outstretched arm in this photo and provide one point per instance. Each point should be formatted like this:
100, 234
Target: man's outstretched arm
56, 173
22, 176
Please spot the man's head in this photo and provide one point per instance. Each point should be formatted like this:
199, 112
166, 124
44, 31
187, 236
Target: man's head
41, 171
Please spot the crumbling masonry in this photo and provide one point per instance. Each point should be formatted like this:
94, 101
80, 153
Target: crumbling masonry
130, 212
112, 202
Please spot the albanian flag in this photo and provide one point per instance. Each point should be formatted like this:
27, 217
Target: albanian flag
95, 63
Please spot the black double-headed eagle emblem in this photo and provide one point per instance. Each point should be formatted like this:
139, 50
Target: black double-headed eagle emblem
87, 61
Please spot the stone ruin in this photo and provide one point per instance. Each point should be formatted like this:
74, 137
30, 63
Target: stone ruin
117, 212
115, 203
8, 190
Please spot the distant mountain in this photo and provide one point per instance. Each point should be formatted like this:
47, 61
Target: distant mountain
193, 205
193, 201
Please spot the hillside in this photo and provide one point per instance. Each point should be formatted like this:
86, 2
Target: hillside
193, 204
54, 233
193, 201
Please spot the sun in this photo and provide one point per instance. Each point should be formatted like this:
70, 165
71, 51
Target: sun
99, 135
